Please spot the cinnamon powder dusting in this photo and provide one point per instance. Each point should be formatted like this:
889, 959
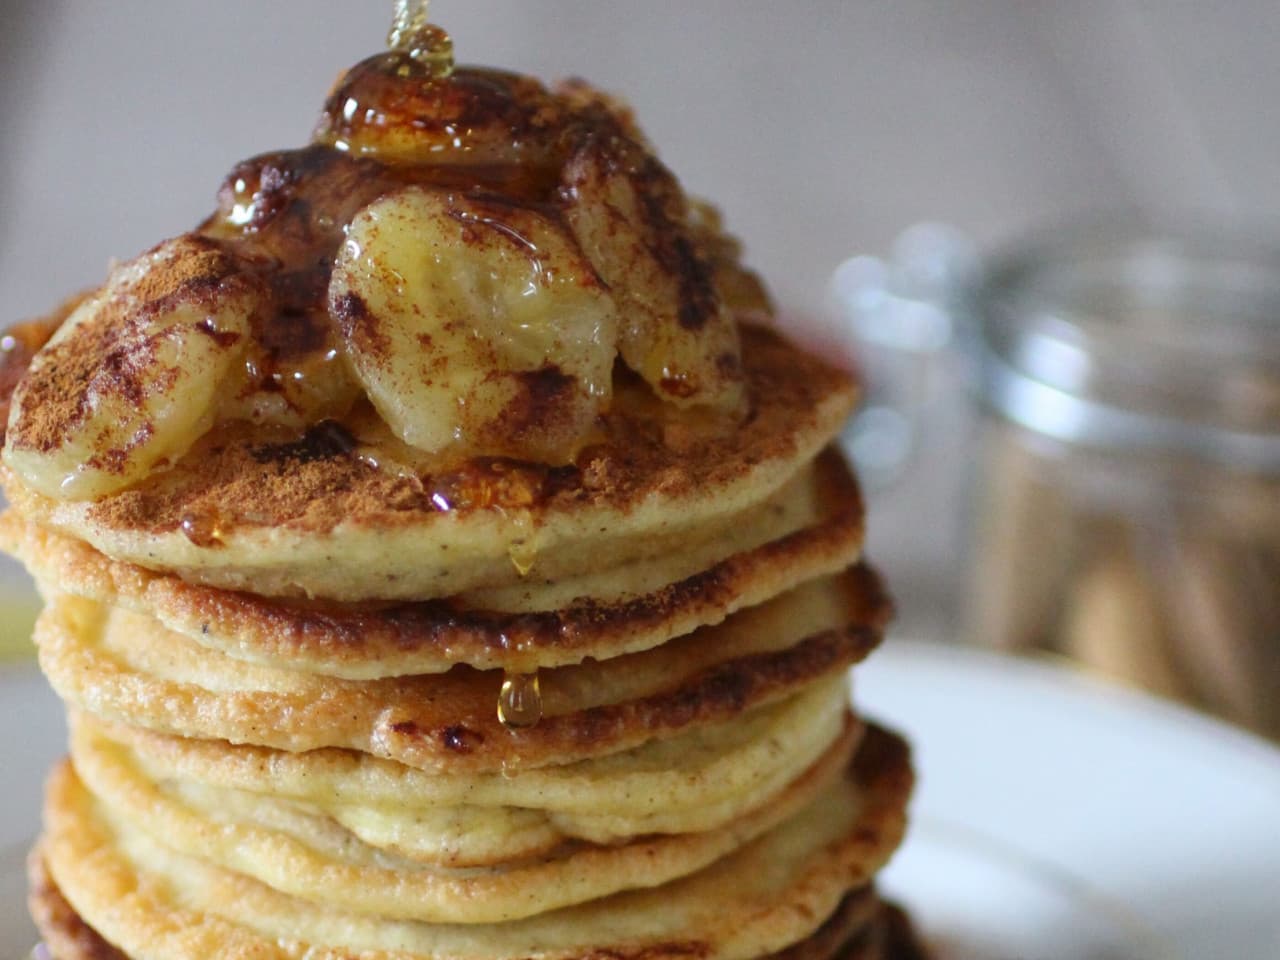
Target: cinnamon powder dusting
19, 345
109, 353
270, 477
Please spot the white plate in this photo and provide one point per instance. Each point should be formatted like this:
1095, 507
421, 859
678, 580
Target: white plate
1060, 818
1057, 818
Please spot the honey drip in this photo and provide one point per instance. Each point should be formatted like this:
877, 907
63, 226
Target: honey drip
520, 700
202, 529
522, 550
430, 47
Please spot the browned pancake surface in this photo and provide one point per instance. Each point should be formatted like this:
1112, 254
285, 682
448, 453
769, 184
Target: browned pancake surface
853, 932
372, 640
449, 721
777, 891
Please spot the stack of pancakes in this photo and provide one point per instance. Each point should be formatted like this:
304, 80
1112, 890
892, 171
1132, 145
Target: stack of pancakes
327, 700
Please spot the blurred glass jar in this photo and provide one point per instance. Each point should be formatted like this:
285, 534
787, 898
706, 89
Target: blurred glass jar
1127, 509
1124, 496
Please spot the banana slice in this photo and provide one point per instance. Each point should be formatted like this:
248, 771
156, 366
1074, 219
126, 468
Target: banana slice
741, 290
129, 381
291, 390
628, 215
474, 324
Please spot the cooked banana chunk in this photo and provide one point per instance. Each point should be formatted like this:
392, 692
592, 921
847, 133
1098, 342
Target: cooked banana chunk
474, 323
295, 390
130, 380
628, 215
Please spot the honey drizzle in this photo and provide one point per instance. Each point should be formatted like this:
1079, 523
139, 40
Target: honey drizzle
203, 529
520, 700
430, 47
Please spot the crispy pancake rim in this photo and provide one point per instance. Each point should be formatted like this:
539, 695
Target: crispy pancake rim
363, 641
361, 880
765, 908
436, 722
607, 785
69, 938
485, 820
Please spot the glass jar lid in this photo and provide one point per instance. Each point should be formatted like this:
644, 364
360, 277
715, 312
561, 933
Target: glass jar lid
1116, 336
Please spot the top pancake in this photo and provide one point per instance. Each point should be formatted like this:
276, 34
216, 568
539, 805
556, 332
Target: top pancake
313, 517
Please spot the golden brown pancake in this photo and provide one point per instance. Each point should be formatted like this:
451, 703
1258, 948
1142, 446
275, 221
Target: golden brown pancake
695, 782
860, 929
310, 517
128, 668
770, 894
366, 641
311, 857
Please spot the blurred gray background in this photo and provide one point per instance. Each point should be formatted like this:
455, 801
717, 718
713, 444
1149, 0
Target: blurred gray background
822, 128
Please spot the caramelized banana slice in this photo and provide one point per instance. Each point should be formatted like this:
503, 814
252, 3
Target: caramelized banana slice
741, 290
394, 108
474, 323
627, 213
129, 381
290, 388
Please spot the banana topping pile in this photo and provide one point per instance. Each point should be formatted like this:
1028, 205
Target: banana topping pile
461, 254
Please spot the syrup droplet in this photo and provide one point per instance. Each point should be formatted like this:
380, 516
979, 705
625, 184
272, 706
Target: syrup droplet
430, 47
520, 700
202, 529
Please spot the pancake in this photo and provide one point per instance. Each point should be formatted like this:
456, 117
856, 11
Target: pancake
311, 517
771, 893
311, 857
126, 667
367, 641
711, 777
861, 928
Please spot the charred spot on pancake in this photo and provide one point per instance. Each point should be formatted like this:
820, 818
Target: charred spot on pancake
461, 739
455, 738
